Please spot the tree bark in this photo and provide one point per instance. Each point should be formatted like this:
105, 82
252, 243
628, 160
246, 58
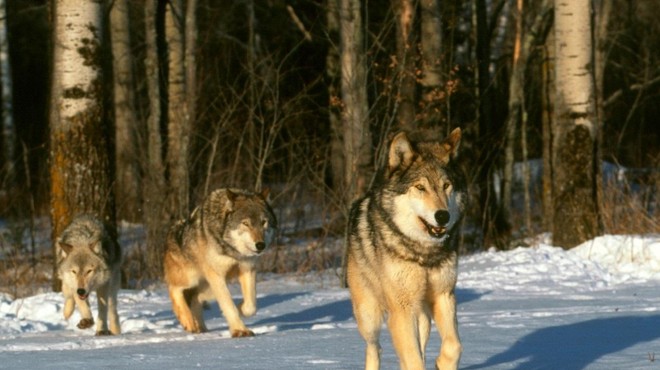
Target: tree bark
404, 11
178, 124
156, 217
355, 114
80, 169
127, 184
433, 94
8, 129
576, 212
333, 73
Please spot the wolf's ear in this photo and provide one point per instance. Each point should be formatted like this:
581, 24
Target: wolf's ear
452, 142
231, 198
96, 246
401, 152
65, 248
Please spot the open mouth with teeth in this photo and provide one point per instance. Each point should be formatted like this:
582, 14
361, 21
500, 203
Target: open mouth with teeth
83, 296
434, 231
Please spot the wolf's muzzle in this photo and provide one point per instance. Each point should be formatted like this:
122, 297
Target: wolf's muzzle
260, 246
82, 293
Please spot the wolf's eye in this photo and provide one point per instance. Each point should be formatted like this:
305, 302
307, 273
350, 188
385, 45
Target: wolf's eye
420, 187
246, 223
446, 186
264, 223
89, 271
74, 272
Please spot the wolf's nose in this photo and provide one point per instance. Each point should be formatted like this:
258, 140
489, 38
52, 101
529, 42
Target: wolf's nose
442, 217
81, 291
260, 246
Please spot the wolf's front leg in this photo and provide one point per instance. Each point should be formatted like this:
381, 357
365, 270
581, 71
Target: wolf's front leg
405, 338
248, 279
444, 313
85, 312
102, 319
69, 302
223, 295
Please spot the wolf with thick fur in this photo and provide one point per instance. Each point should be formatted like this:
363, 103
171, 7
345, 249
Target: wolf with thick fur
220, 240
90, 260
401, 251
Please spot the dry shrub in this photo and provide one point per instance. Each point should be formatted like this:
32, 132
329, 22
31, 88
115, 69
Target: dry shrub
631, 204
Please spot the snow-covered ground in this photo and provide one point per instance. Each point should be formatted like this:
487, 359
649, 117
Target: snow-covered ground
593, 307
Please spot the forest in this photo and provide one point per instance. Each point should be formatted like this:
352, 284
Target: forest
149, 105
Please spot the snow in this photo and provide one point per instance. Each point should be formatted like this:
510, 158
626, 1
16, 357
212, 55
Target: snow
539, 307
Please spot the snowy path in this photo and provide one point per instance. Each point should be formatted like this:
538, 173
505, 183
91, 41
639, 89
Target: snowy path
532, 308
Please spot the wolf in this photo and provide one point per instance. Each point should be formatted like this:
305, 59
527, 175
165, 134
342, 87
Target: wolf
401, 251
220, 240
90, 260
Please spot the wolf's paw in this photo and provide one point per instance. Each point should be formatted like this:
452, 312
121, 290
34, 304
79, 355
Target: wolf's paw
103, 333
85, 323
242, 333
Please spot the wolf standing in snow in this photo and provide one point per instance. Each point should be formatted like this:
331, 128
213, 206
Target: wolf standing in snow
220, 240
89, 260
401, 251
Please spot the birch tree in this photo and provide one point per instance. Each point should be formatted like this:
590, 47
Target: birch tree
127, 166
575, 166
355, 114
80, 169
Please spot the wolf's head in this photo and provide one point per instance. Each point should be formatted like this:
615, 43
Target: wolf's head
249, 222
426, 188
82, 269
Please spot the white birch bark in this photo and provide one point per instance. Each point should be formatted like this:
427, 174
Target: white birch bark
77, 35
573, 71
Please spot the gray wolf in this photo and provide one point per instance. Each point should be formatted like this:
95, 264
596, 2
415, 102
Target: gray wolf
401, 251
90, 260
220, 240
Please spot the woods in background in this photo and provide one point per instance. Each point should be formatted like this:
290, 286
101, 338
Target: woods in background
160, 102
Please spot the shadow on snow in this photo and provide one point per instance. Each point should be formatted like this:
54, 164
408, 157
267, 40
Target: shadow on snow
574, 346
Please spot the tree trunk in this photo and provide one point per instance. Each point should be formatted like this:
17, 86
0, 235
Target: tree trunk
333, 73
495, 227
155, 192
433, 94
404, 11
576, 213
355, 115
178, 133
8, 129
523, 51
127, 185
80, 169
547, 101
